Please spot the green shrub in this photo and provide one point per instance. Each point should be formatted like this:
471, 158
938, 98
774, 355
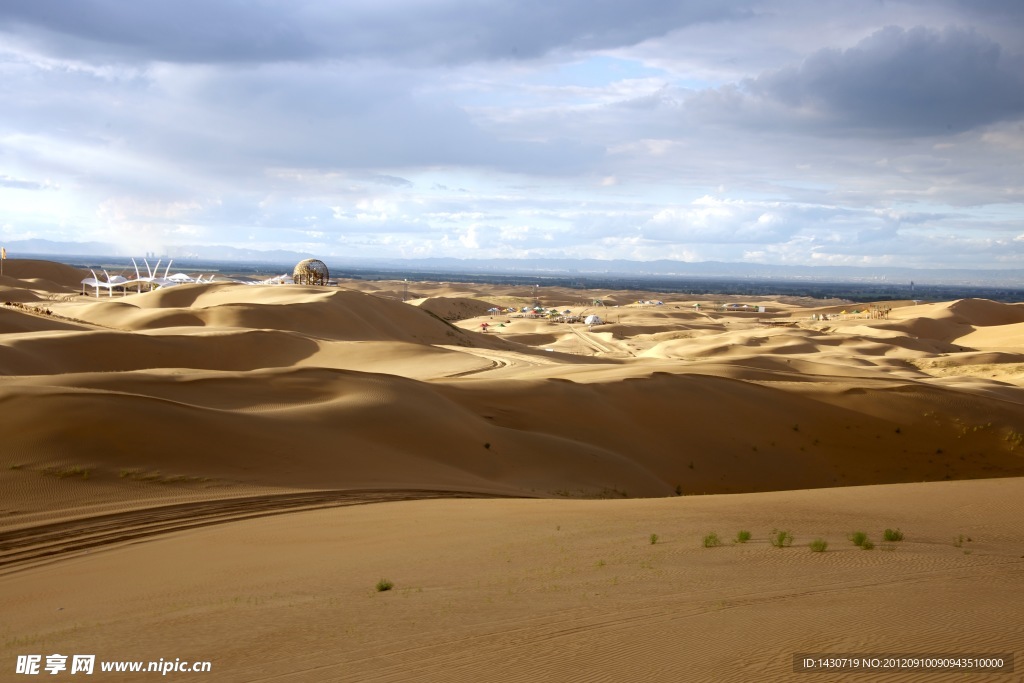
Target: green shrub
867, 545
818, 545
859, 538
742, 536
712, 540
384, 585
893, 535
654, 538
781, 539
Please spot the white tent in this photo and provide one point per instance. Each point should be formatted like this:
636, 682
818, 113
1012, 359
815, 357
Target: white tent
592, 320
152, 279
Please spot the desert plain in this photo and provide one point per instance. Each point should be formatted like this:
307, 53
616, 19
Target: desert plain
229, 473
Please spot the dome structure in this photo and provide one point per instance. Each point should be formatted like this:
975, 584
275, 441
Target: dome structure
311, 272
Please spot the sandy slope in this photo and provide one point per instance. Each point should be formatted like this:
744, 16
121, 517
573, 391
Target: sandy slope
453, 308
237, 386
549, 590
46, 275
219, 396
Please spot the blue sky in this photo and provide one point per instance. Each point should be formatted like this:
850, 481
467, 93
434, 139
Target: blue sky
796, 132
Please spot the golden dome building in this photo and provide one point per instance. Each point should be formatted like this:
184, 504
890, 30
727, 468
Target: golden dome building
311, 272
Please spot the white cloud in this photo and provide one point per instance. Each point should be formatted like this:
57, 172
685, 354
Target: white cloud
804, 131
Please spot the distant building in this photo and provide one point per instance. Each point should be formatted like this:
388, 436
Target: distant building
311, 272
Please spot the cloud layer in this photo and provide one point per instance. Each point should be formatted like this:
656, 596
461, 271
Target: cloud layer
768, 131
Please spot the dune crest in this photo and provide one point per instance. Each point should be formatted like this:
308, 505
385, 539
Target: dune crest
201, 460
221, 381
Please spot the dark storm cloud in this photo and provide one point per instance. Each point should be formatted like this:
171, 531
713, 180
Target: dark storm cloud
286, 30
913, 82
185, 30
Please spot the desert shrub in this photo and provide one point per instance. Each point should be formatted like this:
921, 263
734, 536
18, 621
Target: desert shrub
384, 585
818, 545
69, 471
859, 538
867, 545
742, 536
712, 540
654, 538
893, 535
781, 539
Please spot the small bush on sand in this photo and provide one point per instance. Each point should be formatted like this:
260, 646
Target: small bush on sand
712, 541
867, 545
384, 585
893, 535
819, 545
742, 536
859, 538
781, 539
654, 538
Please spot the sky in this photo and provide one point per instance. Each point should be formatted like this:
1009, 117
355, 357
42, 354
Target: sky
811, 132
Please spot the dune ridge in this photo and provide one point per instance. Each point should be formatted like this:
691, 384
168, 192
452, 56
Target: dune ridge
219, 382
200, 460
526, 590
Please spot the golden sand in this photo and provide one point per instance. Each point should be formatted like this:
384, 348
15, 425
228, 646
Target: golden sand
153, 444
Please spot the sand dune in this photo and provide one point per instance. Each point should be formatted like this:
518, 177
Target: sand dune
949, 321
321, 313
15, 321
1009, 336
985, 313
109, 351
231, 401
16, 294
531, 590
33, 272
453, 308
382, 391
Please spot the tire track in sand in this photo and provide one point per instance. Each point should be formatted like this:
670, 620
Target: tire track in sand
30, 546
499, 360
590, 340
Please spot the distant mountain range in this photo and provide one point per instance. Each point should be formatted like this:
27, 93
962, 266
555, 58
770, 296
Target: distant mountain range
583, 268
664, 269
42, 248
